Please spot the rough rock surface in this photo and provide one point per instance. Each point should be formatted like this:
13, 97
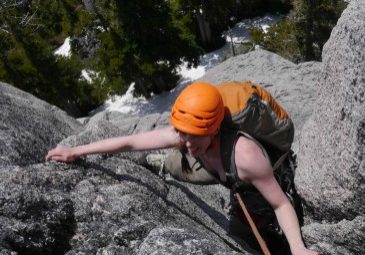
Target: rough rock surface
105, 204
29, 126
331, 170
110, 206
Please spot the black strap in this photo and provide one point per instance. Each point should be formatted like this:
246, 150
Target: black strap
228, 140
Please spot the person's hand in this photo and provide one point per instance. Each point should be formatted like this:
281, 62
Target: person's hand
62, 154
304, 251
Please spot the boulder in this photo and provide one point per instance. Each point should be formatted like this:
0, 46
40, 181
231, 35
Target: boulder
112, 205
103, 204
343, 237
331, 170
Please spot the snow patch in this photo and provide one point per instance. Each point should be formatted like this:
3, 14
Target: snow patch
127, 103
240, 32
192, 73
89, 75
65, 49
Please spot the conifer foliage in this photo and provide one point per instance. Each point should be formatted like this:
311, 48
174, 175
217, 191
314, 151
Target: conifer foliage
139, 41
141, 44
119, 42
302, 35
31, 30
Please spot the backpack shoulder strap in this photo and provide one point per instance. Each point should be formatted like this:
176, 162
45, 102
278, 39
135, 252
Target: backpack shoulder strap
227, 144
228, 140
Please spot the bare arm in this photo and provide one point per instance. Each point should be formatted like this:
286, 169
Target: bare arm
156, 139
255, 168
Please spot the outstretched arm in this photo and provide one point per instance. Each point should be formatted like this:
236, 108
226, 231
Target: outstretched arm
255, 168
156, 139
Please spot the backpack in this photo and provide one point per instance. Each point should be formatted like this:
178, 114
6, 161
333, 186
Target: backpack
252, 109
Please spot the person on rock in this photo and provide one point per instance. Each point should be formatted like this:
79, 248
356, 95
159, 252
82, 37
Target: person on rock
197, 130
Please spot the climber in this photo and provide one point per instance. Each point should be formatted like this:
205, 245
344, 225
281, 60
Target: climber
196, 128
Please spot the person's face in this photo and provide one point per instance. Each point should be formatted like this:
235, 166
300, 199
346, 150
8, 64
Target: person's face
196, 145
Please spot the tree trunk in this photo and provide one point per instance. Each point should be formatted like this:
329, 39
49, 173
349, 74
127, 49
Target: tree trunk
309, 40
204, 29
204, 26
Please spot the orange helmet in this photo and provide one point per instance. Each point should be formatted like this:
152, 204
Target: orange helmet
198, 110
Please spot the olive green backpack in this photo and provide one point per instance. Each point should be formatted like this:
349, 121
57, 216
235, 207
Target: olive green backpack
252, 109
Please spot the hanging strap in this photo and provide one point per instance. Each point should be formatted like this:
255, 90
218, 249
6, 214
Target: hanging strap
255, 231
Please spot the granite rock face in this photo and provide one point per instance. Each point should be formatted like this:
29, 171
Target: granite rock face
29, 126
331, 170
111, 205
105, 204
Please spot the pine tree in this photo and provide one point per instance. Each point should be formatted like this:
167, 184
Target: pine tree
142, 44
